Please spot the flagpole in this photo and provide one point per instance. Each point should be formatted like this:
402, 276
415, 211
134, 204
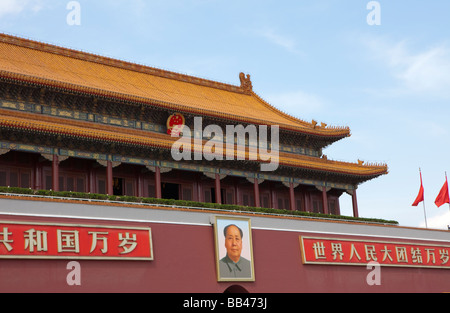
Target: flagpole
447, 187
447, 193
425, 214
423, 202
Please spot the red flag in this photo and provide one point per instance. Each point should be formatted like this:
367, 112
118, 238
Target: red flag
420, 195
443, 194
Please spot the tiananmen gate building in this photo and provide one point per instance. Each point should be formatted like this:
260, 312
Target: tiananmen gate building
89, 174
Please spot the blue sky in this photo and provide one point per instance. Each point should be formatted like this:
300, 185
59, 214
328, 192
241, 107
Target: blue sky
390, 83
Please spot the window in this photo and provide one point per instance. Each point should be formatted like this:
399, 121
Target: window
48, 181
101, 186
151, 191
245, 198
264, 199
317, 206
80, 184
332, 208
207, 195
3, 181
248, 199
230, 197
70, 182
299, 205
280, 204
284, 203
187, 193
15, 177
129, 187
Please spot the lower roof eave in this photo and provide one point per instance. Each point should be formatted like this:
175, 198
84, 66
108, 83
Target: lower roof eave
330, 135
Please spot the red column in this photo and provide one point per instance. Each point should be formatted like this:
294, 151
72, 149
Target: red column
292, 196
55, 173
256, 189
355, 204
308, 202
273, 197
199, 190
37, 176
325, 200
218, 193
139, 184
195, 190
91, 181
237, 196
109, 178
158, 193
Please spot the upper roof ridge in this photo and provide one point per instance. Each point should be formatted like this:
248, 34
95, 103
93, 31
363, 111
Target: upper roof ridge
237, 103
109, 61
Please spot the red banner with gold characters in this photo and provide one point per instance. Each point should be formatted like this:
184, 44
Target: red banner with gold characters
336, 251
20, 240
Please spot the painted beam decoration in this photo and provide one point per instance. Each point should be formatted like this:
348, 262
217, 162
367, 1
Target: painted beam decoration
337, 251
20, 240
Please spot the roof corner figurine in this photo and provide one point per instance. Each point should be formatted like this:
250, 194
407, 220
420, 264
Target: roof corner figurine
246, 83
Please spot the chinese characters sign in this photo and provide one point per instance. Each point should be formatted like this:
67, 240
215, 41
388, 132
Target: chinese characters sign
54, 241
354, 252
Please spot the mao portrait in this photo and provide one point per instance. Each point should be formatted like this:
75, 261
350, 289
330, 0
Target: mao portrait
234, 255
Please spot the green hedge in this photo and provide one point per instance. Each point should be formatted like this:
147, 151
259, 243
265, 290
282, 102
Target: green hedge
184, 203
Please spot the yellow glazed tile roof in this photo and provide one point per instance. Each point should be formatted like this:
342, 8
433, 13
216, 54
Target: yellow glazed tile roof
91, 131
48, 65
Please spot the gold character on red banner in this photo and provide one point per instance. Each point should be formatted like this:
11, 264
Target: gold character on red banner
20, 240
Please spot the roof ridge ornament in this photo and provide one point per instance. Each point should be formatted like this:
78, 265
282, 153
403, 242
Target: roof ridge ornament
246, 83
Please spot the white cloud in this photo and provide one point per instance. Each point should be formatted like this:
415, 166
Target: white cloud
283, 41
12, 7
426, 71
418, 72
441, 221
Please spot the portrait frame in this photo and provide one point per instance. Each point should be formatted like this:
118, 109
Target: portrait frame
225, 270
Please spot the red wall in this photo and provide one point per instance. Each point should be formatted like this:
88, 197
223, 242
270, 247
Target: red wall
184, 262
